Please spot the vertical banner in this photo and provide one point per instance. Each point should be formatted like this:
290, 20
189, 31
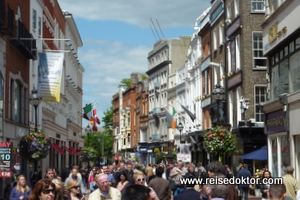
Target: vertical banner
49, 75
184, 152
5, 160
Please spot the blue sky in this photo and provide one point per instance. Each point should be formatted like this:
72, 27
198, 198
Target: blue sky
117, 37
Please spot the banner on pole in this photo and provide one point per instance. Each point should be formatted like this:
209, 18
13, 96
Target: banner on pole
49, 75
184, 152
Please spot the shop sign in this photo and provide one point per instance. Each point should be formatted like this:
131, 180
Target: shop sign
275, 122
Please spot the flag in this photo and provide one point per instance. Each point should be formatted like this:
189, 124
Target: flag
90, 114
192, 116
174, 111
169, 119
173, 123
88, 111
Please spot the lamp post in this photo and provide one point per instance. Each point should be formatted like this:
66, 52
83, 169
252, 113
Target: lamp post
88, 130
180, 128
35, 99
219, 94
102, 148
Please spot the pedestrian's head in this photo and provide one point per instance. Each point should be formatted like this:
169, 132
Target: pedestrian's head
44, 189
103, 182
123, 176
74, 172
73, 187
159, 171
122, 166
216, 167
21, 181
129, 167
180, 164
59, 188
139, 178
219, 191
277, 191
289, 170
136, 192
50, 173
191, 168
105, 169
266, 174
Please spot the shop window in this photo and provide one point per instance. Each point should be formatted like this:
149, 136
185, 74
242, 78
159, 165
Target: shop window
285, 155
274, 159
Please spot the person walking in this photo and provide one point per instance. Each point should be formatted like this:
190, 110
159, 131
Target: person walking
160, 185
75, 175
265, 184
176, 174
104, 191
244, 188
44, 189
73, 190
21, 191
291, 184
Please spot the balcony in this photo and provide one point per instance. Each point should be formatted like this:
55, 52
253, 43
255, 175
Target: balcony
6, 19
24, 41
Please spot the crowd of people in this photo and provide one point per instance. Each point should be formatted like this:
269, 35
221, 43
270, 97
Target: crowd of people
152, 182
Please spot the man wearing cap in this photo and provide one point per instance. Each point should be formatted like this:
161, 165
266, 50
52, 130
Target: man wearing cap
291, 184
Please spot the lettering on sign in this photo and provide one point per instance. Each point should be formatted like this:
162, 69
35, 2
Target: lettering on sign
274, 33
5, 174
275, 122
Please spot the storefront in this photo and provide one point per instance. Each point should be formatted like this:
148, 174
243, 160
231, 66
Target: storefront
278, 145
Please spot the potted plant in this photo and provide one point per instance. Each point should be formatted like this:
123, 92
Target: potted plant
34, 146
219, 141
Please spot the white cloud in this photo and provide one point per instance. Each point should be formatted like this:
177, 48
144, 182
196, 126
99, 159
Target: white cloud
108, 63
169, 13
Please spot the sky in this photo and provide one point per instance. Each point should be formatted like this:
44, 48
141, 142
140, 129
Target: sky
117, 36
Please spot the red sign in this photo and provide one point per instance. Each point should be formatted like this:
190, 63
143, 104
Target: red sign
5, 174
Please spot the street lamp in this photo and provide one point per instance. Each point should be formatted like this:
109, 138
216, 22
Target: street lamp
219, 94
88, 130
102, 148
180, 128
35, 99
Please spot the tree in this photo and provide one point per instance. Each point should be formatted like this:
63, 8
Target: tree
125, 83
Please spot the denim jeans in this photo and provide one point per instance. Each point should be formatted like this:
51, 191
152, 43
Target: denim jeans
178, 190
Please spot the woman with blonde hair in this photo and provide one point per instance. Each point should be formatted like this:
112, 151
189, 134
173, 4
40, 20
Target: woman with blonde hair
60, 192
21, 191
139, 178
73, 190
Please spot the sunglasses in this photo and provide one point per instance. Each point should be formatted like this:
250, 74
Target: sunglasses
76, 187
140, 179
47, 191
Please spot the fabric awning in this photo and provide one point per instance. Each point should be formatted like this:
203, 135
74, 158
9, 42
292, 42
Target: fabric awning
68, 150
57, 148
73, 150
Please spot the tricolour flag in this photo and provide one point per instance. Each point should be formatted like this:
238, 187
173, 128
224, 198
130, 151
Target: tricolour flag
88, 111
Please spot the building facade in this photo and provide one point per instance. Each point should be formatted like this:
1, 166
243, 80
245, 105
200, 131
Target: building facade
281, 47
163, 61
28, 28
